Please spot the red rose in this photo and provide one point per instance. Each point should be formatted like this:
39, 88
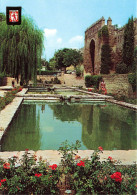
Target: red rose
53, 167
38, 175
100, 148
20, 89
116, 176
6, 165
3, 180
81, 164
109, 158
0, 184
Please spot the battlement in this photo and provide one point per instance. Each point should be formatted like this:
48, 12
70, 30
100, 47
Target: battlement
100, 22
94, 42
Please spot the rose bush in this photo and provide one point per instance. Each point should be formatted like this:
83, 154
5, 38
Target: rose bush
31, 175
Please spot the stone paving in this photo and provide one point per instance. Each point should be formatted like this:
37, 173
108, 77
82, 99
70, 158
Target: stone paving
127, 157
132, 106
7, 114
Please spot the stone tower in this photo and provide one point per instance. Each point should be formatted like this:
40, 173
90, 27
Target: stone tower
93, 44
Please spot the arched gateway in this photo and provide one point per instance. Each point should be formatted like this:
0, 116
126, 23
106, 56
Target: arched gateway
92, 54
94, 41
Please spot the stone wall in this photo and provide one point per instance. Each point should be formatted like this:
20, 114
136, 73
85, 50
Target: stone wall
7, 81
66, 79
116, 39
91, 34
48, 78
118, 84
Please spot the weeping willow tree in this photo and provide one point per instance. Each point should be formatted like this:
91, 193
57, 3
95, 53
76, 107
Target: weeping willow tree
20, 49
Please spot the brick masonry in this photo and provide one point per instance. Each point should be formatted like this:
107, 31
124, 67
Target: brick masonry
116, 38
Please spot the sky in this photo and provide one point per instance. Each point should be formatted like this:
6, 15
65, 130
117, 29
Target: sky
64, 21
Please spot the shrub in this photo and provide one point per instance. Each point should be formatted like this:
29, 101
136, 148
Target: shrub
2, 103
9, 97
89, 176
30, 175
103, 32
1, 78
132, 80
46, 73
121, 68
92, 80
105, 59
79, 70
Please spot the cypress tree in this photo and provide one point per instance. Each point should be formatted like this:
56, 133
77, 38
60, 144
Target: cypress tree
105, 59
128, 46
21, 49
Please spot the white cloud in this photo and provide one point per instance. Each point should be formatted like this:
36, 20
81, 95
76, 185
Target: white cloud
50, 32
76, 39
59, 40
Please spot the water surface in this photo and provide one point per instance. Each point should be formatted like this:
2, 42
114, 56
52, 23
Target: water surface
44, 126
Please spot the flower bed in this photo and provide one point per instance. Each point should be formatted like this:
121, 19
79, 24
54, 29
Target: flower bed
8, 97
30, 175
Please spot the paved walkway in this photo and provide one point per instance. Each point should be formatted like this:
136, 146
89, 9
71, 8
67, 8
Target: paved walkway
127, 157
7, 114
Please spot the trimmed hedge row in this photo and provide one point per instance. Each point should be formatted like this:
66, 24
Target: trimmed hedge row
92, 80
46, 73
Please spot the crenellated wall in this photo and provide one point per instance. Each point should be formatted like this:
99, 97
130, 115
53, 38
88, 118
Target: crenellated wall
93, 44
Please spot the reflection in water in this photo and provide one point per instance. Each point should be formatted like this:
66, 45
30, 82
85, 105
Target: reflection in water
46, 125
113, 128
24, 131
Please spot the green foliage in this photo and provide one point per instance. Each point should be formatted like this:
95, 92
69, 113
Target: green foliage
68, 152
47, 72
105, 59
134, 67
8, 97
121, 68
1, 78
79, 70
132, 79
52, 64
30, 175
128, 46
2, 17
67, 57
92, 80
103, 32
21, 49
89, 176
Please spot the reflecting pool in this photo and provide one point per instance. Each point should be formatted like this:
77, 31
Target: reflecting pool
42, 125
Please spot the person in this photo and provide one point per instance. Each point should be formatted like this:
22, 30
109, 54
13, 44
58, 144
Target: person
103, 87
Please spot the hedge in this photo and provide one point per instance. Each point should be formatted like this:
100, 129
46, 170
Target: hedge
121, 68
1, 78
132, 80
46, 72
92, 80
